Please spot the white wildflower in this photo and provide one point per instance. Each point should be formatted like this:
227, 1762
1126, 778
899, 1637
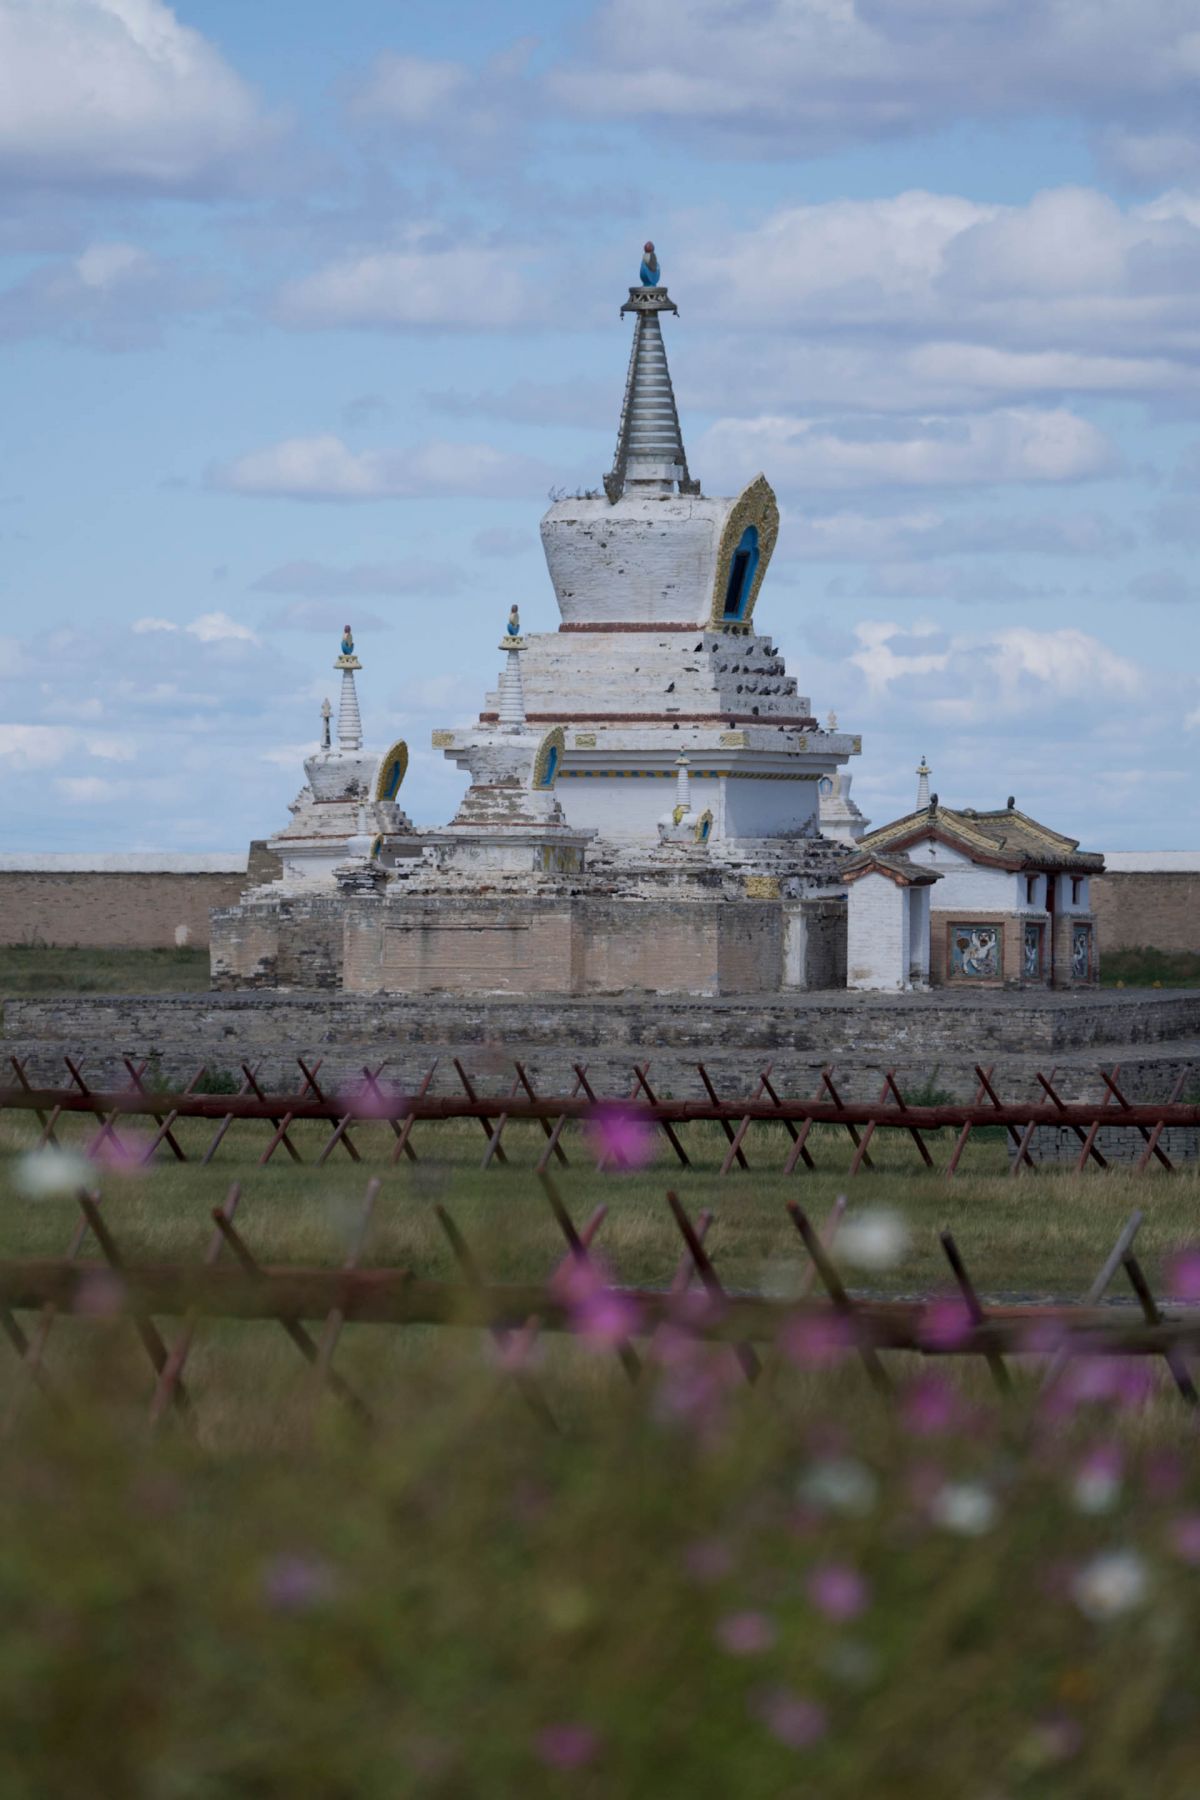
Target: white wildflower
50, 1174
965, 1507
1095, 1491
1110, 1585
840, 1484
874, 1239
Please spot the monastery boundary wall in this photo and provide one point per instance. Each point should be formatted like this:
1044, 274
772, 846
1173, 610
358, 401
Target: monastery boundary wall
122, 902
1148, 902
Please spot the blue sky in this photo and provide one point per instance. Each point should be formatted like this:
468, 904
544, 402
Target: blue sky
303, 310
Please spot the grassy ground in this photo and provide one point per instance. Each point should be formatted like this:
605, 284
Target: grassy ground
58, 969
1150, 968
687, 1587
1040, 1234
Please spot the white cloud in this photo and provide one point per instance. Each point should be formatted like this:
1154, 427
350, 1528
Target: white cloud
449, 286
1069, 275
120, 92
1007, 445
209, 628
112, 295
33, 746
474, 118
973, 679
410, 90
858, 536
324, 468
288, 756
799, 77
219, 628
87, 790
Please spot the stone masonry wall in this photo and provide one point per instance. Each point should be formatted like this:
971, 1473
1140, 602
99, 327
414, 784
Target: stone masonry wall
1154, 1036
1152, 909
1121, 1144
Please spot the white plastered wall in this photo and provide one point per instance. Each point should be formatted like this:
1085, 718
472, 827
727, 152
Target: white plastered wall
877, 934
969, 887
626, 809
761, 809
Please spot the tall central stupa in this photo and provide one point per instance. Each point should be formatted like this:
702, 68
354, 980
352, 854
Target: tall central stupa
646, 787
657, 653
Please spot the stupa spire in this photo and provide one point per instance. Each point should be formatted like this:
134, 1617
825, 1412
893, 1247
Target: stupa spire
650, 457
511, 698
923, 773
349, 718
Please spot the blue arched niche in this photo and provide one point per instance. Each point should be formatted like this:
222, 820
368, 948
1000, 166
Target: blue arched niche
551, 768
742, 566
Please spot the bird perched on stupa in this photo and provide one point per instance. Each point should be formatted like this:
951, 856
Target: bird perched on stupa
513, 627
650, 269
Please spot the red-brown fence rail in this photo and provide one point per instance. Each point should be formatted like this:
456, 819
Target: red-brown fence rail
370, 1102
312, 1305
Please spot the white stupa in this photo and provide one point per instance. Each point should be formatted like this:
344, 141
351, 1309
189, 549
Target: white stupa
657, 654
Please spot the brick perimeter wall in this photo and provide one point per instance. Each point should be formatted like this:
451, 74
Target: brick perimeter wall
1147, 910
103, 911
122, 909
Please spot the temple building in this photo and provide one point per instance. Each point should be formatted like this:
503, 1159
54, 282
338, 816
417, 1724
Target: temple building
1012, 906
651, 803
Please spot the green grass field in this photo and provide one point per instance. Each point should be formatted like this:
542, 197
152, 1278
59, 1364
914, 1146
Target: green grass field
1150, 968
58, 969
684, 1587
1040, 1234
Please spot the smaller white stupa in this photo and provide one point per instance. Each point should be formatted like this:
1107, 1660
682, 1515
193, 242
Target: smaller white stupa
509, 821
840, 817
683, 828
349, 798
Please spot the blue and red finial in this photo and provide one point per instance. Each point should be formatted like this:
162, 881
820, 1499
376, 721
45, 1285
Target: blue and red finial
650, 270
347, 642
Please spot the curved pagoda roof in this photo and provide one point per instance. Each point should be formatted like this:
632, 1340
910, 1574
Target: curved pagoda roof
1005, 839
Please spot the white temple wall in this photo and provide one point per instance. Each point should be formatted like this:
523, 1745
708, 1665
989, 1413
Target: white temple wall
969, 887
759, 809
877, 934
626, 809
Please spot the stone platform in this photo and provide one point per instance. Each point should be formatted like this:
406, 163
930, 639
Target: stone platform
1153, 1035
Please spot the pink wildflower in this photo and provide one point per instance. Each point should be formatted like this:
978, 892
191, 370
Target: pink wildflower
296, 1583
1097, 1484
606, 1318
838, 1591
708, 1560
746, 1633
124, 1155
1184, 1537
373, 1098
931, 1407
618, 1135
1183, 1277
569, 1745
100, 1294
792, 1720
945, 1325
815, 1340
